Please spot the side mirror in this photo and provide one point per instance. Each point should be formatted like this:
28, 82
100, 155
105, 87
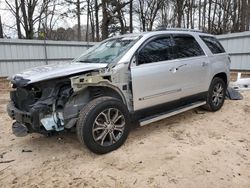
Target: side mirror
140, 58
136, 58
133, 61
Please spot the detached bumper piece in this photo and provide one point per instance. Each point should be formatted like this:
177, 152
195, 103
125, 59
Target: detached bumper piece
18, 115
19, 129
34, 121
26, 122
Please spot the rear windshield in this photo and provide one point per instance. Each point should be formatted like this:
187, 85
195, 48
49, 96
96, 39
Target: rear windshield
213, 44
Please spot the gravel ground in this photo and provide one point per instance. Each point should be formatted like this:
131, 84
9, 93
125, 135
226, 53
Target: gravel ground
192, 149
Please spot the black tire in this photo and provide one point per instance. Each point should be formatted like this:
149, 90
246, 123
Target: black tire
212, 105
88, 120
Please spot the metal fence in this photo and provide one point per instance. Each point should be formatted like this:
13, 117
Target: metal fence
238, 46
18, 55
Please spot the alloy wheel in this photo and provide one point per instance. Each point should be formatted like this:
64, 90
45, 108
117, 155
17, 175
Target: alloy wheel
108, 127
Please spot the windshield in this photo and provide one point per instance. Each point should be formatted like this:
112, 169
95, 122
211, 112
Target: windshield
108, 51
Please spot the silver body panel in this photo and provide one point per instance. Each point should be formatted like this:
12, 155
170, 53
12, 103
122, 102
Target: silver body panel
53, 71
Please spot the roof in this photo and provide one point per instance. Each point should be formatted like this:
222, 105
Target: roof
165, 31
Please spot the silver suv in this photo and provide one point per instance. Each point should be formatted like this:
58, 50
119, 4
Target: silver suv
128, 79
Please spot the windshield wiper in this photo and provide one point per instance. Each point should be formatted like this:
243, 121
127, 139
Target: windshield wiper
85, 61
93, 60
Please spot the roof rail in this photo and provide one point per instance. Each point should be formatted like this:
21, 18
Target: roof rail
163, 28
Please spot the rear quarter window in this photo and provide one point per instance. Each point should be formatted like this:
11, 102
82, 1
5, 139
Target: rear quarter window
213, 44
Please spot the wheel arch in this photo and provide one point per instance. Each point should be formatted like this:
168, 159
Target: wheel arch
223, 76
111, 91
81, 98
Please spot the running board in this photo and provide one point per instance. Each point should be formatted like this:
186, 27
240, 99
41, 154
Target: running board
164, 115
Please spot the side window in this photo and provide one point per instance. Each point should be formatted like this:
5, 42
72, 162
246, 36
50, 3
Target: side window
160, 49
186, 46
213, 44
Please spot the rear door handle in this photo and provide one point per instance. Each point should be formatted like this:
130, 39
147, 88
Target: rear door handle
174, 69
181, 66
204, 64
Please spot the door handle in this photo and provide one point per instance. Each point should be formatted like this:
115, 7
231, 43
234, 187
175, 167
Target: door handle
204, 64
174, 69
181, 66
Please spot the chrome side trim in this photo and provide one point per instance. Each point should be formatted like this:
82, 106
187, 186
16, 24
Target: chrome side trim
160, 94
160, 117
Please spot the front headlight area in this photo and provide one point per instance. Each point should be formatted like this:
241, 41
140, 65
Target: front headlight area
52, 116
40, 106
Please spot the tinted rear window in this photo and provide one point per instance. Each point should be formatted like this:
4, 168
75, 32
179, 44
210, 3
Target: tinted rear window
213, 44
186, 46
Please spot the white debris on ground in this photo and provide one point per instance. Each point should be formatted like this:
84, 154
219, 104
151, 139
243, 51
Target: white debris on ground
241, 83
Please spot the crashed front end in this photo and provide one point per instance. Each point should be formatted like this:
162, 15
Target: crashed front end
39, 107
53, 105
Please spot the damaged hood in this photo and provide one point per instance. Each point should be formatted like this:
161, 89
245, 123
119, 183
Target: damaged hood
52, 71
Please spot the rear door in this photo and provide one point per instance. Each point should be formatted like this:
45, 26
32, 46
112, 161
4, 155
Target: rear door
194, 73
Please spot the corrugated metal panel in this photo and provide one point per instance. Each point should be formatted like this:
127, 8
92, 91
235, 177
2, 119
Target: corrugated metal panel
238, 46
17, 55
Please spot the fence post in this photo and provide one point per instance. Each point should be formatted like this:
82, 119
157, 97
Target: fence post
45, 51
45, 44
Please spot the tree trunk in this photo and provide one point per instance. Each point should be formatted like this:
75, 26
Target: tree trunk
204, 16
87, 29
248, 16
25, 20
213, 19
119, 16
104, 20
209, 15
243, 15
234, 16
199, 24
78, 13
179, 8
19, 34
1, 28
188, 14
239, 16
131, 16
191, 14
142, 16
219, 20
227, 16
97, 21
92, 23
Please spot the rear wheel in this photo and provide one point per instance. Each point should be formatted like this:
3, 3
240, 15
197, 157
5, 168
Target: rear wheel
103, 124
216, 95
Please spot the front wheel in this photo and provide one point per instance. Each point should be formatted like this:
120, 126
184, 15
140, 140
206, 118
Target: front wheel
103, 124
216, 95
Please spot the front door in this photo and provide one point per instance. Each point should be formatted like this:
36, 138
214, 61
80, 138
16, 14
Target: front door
153, 79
